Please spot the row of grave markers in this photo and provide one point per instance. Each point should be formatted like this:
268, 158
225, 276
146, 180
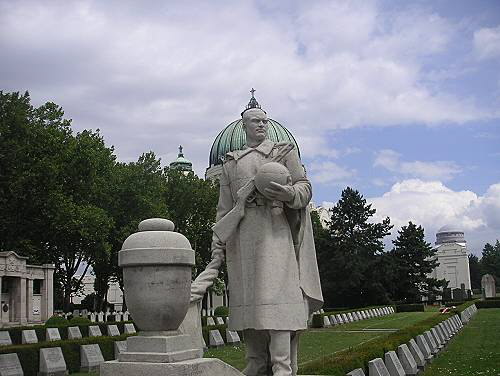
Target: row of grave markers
52, 360
345, 318
98, 316
215, 338
29, 336
411, 358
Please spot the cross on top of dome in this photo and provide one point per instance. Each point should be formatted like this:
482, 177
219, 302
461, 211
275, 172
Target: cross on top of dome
253, 103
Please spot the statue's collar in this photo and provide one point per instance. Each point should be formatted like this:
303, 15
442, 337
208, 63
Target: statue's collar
265, 147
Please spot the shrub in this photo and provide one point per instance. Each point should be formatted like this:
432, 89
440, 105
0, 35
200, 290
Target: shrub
221, 311
410, 308
317, 320
451, 303
488, 304
56, 321
79, 321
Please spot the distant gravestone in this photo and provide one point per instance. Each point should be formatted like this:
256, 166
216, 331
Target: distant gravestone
431, 342
29, 336
113, 331
52, 362
417, 354
215, 339
349, 316
344, 317
446, 294
339, 319
424, 348
326, 322
488, 286
94, 331
220, 320
458, 294
232, 337
333, 320
120, 346
74, 332
129, 328
100, 317
393, 364
437, 337
5, 338
125, 316
92, 317
76, 313
118, 316
91, 358
210, 321
407, 360
376, 367
356, 372
10, 365
363, 315
84, 313
52, 334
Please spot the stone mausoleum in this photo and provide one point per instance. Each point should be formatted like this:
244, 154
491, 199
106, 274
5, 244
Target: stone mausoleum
452, 255
26, 290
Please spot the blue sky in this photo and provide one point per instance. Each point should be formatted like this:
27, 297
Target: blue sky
398, 99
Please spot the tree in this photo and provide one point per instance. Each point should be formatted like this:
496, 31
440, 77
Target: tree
475, 271
490, 261
350, 259
413, 260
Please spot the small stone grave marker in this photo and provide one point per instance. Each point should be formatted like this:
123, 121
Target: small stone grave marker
76, 313
232, 337
431, 342
94, 331
91, 357
424, 347
113, 331
220, 320
333, 320
344, 318
407, 361
52, 334
29, 336
339, 319
215, 339
326, 322
349, 316
125, 316
376, 367
10, 365
100, 317
74, 332
84, 313
120, 347
129, 328
92, 317
417, 354
393, 364
52, 362
356, 372
5, 338
210, 321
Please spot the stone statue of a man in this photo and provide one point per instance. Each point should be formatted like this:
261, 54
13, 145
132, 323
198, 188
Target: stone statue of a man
271, 261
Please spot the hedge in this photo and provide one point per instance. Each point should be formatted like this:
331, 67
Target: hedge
338, 364
488, 304
464, 306
410, 308
29, 354
16, 332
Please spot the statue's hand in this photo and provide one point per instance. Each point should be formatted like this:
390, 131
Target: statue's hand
280, 192
197, 292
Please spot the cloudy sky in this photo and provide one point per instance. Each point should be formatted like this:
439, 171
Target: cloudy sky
398, 99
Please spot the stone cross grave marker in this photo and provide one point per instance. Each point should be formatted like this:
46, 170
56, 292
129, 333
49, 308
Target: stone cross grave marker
52, 362
91, 357
129, 328
215, 338
74, 332
29, 336
10, 365
113, 331
52, 334
94, 331
5, 338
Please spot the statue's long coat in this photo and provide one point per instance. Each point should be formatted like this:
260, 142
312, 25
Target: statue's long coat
271, 259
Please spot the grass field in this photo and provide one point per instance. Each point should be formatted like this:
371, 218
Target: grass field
316, 343
475, 351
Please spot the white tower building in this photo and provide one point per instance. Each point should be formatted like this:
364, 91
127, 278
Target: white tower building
452, 256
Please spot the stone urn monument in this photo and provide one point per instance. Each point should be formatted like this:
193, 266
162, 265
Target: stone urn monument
157, 265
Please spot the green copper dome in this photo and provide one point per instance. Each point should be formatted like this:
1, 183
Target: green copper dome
233, 137
181, 163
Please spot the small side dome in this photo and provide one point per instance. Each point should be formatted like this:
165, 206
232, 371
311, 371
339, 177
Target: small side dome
182, 163
450, 234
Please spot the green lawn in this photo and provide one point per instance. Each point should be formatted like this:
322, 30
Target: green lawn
316, 343
475, 351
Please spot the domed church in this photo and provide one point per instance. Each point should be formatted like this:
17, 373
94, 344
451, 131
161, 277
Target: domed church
233, 137
452, 255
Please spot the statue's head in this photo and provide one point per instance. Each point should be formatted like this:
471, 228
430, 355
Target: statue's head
255, 124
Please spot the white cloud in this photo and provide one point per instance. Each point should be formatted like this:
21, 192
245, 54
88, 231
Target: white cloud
155, 77
441, 170
328, 172
487, 42
433, 205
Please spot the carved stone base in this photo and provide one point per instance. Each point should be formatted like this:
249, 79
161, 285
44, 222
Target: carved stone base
194, 367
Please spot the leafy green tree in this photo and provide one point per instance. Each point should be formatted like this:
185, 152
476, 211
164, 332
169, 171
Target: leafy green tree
475, 271
490, 261
413, 260
350, 260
